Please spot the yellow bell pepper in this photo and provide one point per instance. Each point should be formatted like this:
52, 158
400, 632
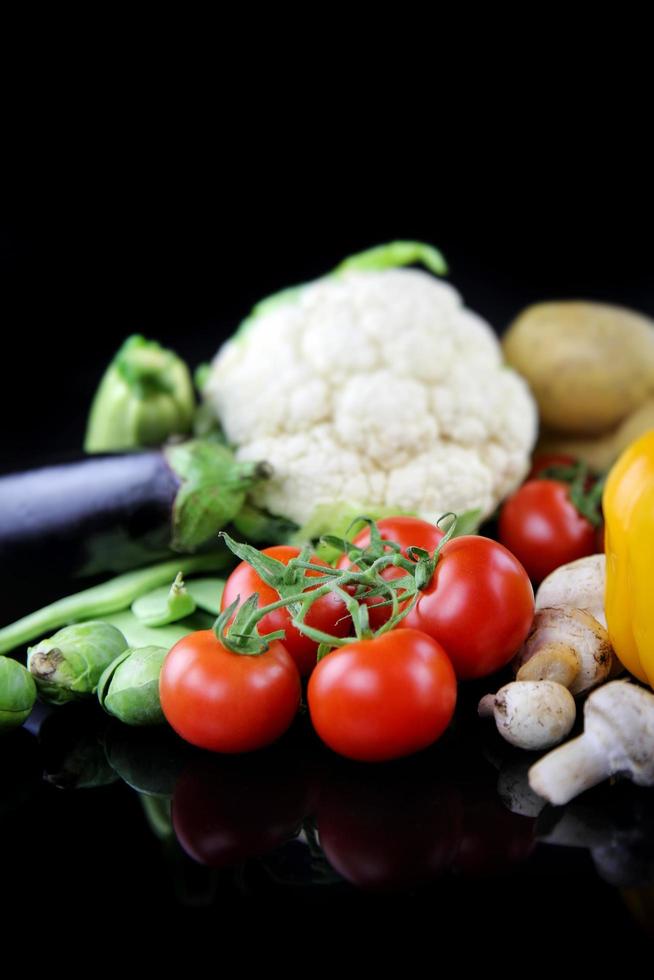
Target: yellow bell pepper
628, 503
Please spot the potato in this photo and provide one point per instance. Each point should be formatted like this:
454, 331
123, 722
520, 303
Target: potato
601, 452
589, 365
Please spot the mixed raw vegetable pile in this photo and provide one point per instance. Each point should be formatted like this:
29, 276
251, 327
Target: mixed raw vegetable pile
353, 436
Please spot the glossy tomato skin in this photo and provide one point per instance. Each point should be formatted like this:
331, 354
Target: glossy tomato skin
407, 532
328, 613
383, 698
479, 605
544, 529
224, 701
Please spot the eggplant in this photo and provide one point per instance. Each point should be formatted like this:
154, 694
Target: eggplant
115, 512
75, 504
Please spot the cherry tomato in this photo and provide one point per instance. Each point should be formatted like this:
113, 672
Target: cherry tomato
382, 698
328, 613
407, 532
544, 529
225, 701
479, 605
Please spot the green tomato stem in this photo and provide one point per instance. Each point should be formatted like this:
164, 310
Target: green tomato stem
242, 636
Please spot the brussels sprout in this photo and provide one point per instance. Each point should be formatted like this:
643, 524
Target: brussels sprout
129, 687
17, 694
69, 664
145, 396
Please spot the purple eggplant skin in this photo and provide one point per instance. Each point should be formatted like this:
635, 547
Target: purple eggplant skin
86, 517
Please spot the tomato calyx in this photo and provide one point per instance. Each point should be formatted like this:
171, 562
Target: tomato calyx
300, 583
586, 487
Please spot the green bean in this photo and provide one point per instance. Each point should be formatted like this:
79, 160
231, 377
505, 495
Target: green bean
109, 597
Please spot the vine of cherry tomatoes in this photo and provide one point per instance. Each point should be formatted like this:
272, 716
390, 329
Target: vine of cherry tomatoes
376, 696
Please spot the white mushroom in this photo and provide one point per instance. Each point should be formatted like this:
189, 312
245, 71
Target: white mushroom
570, 643
618, 738
577, 585
566, 650
531, 714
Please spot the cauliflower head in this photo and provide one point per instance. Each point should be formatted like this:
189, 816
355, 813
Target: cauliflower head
373, 390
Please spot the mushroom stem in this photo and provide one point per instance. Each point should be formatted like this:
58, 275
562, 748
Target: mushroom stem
571, 769
618, 738
554, 662
486, 707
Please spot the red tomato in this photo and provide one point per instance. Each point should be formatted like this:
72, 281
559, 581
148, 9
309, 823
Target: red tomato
224, 701
407, 532
544, 529
479, 605
327, 613
382, 698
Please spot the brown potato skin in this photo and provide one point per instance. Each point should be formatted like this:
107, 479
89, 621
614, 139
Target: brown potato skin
589, 365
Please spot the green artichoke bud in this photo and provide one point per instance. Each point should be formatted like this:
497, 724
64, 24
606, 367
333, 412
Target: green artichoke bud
17, 694
68, 665
145, 396
129, 687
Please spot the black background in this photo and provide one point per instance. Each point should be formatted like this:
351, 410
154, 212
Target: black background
183, 262
86, 263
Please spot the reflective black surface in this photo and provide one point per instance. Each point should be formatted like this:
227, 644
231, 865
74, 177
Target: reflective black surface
104, 811
104, 820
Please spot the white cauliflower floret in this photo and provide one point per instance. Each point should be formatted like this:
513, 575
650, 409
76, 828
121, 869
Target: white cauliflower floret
375, 389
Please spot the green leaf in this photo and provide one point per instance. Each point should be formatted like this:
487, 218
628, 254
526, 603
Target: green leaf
201, 375
260, 527
466, 523
396, 254
341, 520
388, 256
289, 295
213, 489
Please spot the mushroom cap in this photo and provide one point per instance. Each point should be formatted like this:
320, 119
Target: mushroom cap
575, 628
577, 585
534, 714
620, 717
